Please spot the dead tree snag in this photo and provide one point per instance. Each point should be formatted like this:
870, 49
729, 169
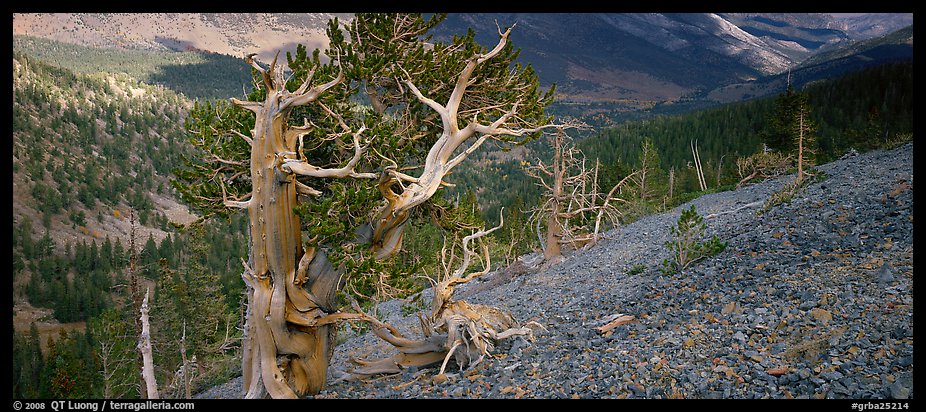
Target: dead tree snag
572, 203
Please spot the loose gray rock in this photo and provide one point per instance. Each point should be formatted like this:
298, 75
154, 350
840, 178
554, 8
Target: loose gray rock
823, 305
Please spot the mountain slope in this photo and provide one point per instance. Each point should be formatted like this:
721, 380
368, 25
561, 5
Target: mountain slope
654, 57
869, 25
812, 299
851, 56
234, 34
630, 61
195, 74
94, 146
797, 35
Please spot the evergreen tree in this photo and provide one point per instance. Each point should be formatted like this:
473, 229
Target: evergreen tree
189, 304
806, 141
28, 364
166, 249
791, 114
454, 95
69, 371
651, 182
106, 256
149, 257
115, 353
119, 255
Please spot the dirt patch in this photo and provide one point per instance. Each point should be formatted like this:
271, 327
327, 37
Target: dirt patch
24, 315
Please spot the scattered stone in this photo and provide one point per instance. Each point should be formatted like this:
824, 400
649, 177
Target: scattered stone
885, 274
778, 371
728, 308
739, 336
833, 376
821, 315
898, 390
723, 329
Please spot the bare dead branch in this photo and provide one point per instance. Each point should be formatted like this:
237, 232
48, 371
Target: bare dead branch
306, 97
616, 320
232, 203
746, 206
246, 104
303, 168
243, 136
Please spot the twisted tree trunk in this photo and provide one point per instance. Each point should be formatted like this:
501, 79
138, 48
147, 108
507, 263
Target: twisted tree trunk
287, 343
291, 312
454, 329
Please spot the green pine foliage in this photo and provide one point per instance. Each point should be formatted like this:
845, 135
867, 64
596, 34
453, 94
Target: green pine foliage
861, 110
398, 127
687, 244
189, 306
115, 354
98, 130
76, 284
28, 364
86, 142
89, 145
778, 135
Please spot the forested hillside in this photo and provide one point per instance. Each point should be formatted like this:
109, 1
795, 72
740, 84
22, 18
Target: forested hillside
95, 224
195, 74
860, 111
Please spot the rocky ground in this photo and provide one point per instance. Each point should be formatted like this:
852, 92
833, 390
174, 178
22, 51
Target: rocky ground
811, 299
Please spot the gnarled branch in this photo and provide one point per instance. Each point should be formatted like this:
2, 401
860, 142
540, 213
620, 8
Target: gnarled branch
443, 155
454, 329
303, 168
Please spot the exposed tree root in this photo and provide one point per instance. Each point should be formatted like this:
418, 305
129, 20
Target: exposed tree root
464, 332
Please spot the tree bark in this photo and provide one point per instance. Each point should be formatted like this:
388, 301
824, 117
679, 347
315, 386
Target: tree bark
289, 330
466, 332
285, 354
800, 147
552, 248
697, 163
443, 156
144, 347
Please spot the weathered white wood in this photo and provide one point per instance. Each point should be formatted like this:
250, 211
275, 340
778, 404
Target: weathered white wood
144, 346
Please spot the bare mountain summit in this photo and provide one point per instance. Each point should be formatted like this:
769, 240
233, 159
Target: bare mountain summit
225, 33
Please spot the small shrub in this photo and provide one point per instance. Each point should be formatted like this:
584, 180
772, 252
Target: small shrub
636, 270
895, 141
686, 246
790, 189
783, 195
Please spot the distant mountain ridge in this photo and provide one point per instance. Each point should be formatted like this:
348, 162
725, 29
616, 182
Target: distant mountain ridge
658, 57
890, 48
630, 60
871, 25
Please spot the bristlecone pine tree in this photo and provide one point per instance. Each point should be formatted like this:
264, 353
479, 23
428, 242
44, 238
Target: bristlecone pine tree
329, 184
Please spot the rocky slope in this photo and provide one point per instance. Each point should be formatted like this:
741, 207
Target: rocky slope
811, 299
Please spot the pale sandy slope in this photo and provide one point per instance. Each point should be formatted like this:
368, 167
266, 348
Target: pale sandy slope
226, 33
